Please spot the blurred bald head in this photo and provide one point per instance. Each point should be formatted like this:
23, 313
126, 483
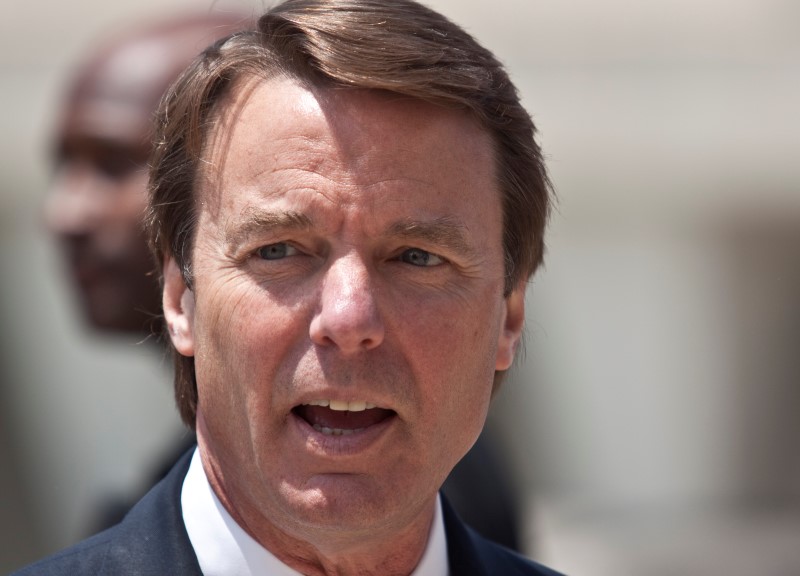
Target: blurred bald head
101, 145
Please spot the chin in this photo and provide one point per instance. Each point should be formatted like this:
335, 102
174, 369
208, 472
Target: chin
343, 502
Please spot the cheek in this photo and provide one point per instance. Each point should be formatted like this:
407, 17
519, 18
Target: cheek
453, 351
227, 378
455, 377
242, 338
131, 198
124, 216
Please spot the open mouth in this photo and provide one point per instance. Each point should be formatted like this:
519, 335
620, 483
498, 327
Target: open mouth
340, 418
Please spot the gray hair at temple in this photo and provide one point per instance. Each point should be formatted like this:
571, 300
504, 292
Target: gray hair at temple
393, 46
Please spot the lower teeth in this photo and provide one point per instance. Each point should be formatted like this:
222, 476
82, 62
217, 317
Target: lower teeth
335, 431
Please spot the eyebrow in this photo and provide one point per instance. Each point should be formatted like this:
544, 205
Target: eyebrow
256, 221
445, 232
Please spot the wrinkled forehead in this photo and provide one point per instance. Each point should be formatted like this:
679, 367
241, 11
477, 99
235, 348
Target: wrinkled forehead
281, 128
375, 115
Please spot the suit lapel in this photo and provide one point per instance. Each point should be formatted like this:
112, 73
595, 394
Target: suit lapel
152, 539
462, 552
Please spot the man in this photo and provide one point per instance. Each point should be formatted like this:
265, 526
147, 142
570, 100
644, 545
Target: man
346, 207
102, 141
96, 203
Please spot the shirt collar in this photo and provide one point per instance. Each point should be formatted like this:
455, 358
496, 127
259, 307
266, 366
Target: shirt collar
223, 548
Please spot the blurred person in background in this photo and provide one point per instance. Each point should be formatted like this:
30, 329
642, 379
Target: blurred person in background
96, 203
95, 209
102, 142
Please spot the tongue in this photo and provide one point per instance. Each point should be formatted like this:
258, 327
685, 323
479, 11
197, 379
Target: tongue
345, 420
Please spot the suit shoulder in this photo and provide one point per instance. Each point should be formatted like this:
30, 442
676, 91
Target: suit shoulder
82, 559
507, 562
471, 554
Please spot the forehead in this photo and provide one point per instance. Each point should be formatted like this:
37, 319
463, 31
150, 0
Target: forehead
113, 97
344, 139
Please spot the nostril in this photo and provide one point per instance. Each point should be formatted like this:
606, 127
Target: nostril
349, 320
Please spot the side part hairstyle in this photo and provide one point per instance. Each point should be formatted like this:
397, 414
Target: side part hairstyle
396, 46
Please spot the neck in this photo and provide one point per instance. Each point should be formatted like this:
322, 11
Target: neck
389, 548
397, 555
314, 551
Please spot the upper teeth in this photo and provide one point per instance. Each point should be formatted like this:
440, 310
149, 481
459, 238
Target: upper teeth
342, 405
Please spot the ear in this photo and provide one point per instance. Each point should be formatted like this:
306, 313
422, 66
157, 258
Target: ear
511, 330
178, 303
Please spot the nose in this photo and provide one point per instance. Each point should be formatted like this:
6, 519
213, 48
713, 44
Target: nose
72, 203
347, 315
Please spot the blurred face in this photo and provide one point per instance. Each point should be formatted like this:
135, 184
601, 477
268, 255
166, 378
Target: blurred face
347, 313
98, 196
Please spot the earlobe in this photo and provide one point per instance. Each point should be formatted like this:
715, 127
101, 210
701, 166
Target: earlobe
178, 302
511, 330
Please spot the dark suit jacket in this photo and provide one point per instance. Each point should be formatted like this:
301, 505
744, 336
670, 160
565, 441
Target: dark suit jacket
152, 541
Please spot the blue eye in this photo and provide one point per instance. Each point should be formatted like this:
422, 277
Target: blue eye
276, 251
418, 257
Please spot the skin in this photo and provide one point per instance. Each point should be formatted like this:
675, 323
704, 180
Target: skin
310, 283
98, 196
97, 199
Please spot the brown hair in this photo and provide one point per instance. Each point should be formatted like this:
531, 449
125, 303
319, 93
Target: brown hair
398, 46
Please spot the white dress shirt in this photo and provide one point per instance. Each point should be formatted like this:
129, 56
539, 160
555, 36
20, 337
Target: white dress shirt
224, 549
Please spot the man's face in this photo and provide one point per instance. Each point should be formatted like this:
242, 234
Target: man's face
97, 199
347, 312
